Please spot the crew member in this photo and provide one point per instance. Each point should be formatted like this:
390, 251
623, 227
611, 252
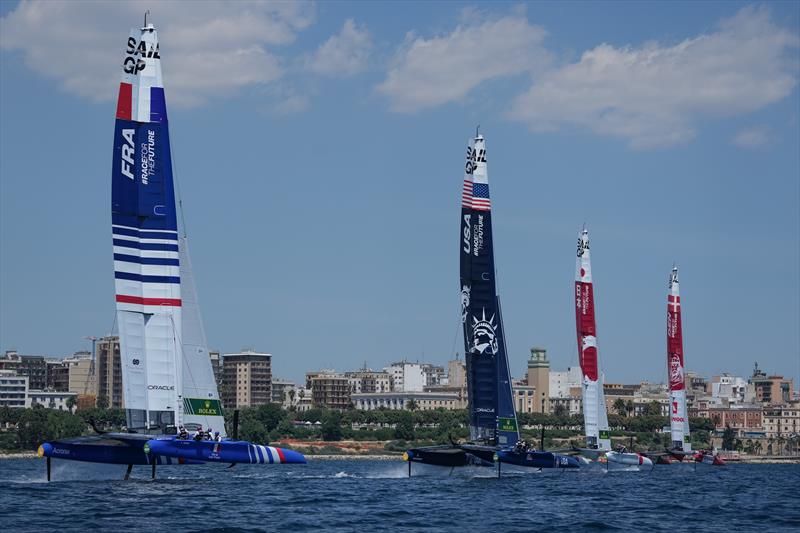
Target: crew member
198, 435
182, 433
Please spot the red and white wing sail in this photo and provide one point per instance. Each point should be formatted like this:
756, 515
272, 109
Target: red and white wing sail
679, 420
594, 407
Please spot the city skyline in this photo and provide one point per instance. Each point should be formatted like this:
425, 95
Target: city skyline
305, 246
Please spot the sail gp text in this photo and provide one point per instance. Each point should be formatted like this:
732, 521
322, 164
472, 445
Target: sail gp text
147, 155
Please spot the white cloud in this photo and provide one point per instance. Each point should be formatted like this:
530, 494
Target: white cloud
752, 137
344, 54
210, 49
294, 103
653, 95
439, 70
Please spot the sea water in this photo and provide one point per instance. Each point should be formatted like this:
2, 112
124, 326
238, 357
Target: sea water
370, 495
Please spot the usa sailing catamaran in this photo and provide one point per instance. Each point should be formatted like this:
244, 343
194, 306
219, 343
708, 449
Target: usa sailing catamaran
595, 416
494, 433
166, 369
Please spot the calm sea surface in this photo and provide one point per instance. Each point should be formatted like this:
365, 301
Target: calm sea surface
377, 496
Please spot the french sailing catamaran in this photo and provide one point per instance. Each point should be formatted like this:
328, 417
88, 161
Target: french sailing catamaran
167, 376
679, 419
595, 416
494, 432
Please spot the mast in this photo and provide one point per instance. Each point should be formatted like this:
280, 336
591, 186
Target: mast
595, 417
145, 240
491, 407
678, 420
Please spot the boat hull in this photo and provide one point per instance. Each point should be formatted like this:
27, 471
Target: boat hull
226, 451
122, 454
537, 459
633, 459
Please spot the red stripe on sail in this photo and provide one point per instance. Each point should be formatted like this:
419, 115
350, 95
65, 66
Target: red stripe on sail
280, 454
126, 299
125, 101
585, 325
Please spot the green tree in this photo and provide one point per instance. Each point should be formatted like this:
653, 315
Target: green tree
38, 425
71, 403
270, 415
404, 430
620, 406
253, 430
652, 409
629, 407
102, 402
332, 426
412, 405
728, 437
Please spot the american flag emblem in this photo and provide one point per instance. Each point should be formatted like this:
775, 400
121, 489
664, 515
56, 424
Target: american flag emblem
476, 196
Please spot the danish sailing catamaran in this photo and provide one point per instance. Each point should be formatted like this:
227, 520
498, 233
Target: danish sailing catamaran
595, 416
679, 417
166, 369
494, 432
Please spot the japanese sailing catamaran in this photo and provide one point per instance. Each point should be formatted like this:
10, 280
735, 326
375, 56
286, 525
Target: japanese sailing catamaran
595, 416
167, 376
494, 433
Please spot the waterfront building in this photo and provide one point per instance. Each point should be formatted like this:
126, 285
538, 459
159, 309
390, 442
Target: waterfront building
419, 400
618, 391
282, 389
32, 366
63, 401
246, 379
13, 389
407, 377
739, 417
433, 375
731, 389
109, 372
303, 400
457, 373
365, 380
772, 390
524, 398
562, 384
57, 376
82, 379
572, 405
216, 367
782, 421
538, 377
331, 390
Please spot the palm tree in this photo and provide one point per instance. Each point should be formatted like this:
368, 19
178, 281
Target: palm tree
629, 407
620, 407
411, 405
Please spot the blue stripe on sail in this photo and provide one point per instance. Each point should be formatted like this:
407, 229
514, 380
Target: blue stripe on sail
146, 279
146, 245
258, 453
130, 232
269, 453
146, 260
158, 105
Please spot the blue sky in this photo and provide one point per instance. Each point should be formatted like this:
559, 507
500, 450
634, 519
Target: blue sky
319, 150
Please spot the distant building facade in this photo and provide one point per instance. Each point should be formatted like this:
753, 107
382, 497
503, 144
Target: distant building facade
62, 401
246, 379
13, 389
420, 401
109, 372
330, 389
538, 377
